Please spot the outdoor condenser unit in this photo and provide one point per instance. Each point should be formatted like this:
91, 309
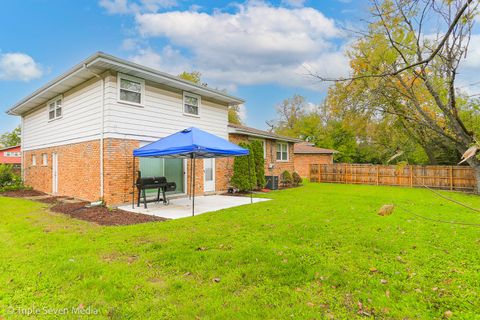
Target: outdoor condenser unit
272, 182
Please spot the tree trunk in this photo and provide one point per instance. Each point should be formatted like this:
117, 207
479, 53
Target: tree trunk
475, 164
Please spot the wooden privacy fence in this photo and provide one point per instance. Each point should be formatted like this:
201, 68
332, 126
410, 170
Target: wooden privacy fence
461, 178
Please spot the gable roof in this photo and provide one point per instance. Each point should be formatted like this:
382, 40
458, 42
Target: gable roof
101, 62
252, 132
7, 148
309, 148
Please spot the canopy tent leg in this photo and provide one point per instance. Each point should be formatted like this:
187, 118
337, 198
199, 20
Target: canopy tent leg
250, 179
133, 184
193, 197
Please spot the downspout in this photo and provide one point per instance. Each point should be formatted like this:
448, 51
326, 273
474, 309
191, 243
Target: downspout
102, 129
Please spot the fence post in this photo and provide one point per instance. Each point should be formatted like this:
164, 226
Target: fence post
451, 178
411, 176
378, 174
345, 173
319, 173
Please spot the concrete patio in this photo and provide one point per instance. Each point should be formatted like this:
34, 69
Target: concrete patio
182, 207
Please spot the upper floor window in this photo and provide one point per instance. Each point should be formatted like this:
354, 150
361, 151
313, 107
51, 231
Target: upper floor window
55, 109
282, 151
191, 104
130, 89
44, 159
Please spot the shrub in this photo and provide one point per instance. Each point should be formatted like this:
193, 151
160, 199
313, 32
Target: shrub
257, 148
241, 178
9, 181
297, 180
286, 178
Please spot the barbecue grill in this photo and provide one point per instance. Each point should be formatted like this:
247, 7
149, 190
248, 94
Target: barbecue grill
153, 183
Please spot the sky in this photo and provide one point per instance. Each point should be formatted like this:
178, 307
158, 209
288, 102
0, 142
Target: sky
260, 51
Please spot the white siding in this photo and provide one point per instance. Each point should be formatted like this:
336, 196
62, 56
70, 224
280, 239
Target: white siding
161, 115
80, 119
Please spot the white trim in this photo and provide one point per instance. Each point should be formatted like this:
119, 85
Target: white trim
127, 77
54, 100
199, 107
281, 152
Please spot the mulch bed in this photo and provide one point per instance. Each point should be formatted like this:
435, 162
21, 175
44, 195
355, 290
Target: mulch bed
103, 215
22, 193
78, 210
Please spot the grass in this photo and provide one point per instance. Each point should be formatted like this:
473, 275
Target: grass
315, 251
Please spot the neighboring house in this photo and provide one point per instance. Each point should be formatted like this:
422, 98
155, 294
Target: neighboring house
306, 154
278, 151
11, 155
79, 130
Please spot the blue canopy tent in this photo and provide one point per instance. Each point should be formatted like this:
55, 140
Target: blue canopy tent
191, 143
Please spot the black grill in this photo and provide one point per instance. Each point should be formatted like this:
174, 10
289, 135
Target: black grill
151, 183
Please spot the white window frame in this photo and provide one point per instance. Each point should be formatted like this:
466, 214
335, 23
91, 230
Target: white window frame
121, 76
34, 160
44, 159
55, 100
281, 152
199, 99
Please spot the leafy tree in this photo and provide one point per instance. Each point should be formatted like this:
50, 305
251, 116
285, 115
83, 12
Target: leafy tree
257, 149
234, 114
194, 76
244, 176
9, 139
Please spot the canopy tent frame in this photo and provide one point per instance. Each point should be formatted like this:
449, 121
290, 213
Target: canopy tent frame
203, 145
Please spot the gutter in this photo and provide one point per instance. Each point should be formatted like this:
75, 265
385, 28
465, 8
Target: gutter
102, 130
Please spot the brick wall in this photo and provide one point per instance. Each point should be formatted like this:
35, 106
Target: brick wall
303, 161
272, 166
78, 170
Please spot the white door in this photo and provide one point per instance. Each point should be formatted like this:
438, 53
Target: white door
54, 173
209, 175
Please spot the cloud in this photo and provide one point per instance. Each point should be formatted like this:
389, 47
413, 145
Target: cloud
256, 44
294, 3
167, 60
127, 6
19, 66
242, 113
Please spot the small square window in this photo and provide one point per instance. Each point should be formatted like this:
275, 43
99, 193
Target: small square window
191, 104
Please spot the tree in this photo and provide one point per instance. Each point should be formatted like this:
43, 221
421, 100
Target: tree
424, 95
194, 76
9, 139
257, 149
244, 176
234, 114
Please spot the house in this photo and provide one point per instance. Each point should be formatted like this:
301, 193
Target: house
11, 155
80, 129
278, 150
306, 154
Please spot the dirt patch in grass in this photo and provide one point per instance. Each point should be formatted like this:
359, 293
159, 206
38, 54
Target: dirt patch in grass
103, 215
22, 193
50, 200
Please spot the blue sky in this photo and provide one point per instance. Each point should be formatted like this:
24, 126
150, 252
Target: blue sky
257, 50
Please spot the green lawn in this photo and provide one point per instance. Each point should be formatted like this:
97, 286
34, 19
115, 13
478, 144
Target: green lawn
315, 251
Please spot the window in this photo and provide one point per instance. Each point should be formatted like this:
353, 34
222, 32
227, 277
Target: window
34, 160
11, 154
191, 104
44, 159
55, 109
130, 89
282, 151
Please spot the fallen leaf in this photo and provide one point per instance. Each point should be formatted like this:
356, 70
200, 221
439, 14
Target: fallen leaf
217, 280
383, 281
448, 314
187, 273
310, 304
201, 248
418, 290
400, 259
298, 289
434, 288
373, 269
387, 293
